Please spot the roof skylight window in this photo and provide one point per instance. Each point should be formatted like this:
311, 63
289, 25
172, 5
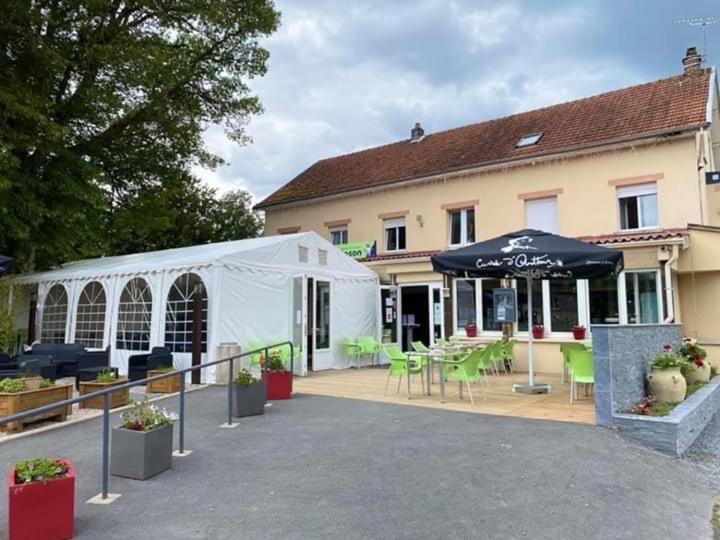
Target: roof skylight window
529, 140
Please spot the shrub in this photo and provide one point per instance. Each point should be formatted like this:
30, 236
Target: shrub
166, 369
47, 383
667, 359
245, 378
648, 406
106, 376
274, 362
146, 417
12, 386
692, 352
38, 470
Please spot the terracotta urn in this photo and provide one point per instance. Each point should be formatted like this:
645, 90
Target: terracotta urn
667, 385
698, 373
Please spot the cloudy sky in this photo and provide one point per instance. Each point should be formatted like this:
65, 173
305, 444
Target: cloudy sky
350, 75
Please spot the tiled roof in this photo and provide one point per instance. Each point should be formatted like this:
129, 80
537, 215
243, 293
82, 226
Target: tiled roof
644, 236
656, 108
401, 256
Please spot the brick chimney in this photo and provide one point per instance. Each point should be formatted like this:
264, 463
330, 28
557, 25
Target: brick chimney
692, 63
417, 133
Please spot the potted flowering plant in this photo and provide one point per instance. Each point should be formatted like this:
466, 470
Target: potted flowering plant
142, 445
250, 395
665, 379
278, 380
698, 369
578, 332
538, 331
41, 499
471, 330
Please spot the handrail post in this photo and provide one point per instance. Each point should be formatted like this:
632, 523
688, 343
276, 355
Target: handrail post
106, 444
181, 417
230, 391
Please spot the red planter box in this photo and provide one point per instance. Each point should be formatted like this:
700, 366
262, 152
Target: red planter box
278, 384
538, 332
578, 333
42, 509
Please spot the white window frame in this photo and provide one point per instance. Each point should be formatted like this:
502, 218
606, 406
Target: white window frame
637, 191
463, 226
394, 224
179, 308
54, 320
339, 230
134, 316
624, 318
529, 203
479, 311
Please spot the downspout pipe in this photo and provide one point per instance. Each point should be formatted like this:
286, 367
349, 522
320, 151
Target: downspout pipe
669, 295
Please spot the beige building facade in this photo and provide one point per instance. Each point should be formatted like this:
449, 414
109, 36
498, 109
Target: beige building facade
651, 195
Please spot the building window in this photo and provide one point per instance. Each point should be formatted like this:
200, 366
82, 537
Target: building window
134, 316
604, 305
537, 304
541, 214
465, 306
322, 257
179, 314
638, 207
529, 140
462, 227
563, 305
642, 297
54, 315
395, 234
488, 320
339, 236
303, 254
90, 319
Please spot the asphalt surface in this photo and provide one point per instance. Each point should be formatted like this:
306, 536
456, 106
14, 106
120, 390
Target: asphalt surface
316, 467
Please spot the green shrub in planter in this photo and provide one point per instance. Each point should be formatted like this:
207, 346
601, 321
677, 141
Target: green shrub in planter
12, 386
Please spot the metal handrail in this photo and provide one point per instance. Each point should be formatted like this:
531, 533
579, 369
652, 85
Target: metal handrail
105, 394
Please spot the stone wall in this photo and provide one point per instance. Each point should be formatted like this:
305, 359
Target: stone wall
621, 356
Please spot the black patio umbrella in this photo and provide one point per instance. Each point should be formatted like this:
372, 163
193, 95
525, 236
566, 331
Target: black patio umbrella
530, 254
5, 264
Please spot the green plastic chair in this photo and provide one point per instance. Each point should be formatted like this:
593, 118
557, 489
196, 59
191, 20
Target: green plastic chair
485, 361
419, 346
401, 365
498, 356
370, 347
352, 349
581, 370
255, 358
565, 349
465, 370
508, 351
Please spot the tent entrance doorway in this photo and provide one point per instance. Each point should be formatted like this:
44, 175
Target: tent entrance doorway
317, 306
421, 308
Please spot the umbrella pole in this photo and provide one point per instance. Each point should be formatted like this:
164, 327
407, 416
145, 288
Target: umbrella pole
531, 377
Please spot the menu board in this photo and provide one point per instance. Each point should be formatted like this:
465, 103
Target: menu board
505, 305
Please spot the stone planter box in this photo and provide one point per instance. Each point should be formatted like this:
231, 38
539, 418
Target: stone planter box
249, 399
42, 509
169, 385
141, 454
31, 399
674, 433
117, 399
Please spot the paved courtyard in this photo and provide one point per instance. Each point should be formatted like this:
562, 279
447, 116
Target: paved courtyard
322, 467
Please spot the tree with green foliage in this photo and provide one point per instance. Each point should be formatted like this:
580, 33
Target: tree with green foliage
102, 108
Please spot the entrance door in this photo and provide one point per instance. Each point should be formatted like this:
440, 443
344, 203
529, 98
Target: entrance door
415, 318
299, 325
389, 310
319, 355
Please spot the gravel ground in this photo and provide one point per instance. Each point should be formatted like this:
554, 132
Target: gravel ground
705, 451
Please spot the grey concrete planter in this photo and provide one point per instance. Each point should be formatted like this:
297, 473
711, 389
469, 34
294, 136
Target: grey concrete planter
249, 399
141, 454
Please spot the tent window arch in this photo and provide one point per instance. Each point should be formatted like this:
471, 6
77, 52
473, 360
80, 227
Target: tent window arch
179, 313
54, 317
134, 316
90, 319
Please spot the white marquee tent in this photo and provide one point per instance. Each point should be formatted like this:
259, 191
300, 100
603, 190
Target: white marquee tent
258, 290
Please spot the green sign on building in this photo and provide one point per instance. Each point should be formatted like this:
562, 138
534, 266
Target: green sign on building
358, 250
